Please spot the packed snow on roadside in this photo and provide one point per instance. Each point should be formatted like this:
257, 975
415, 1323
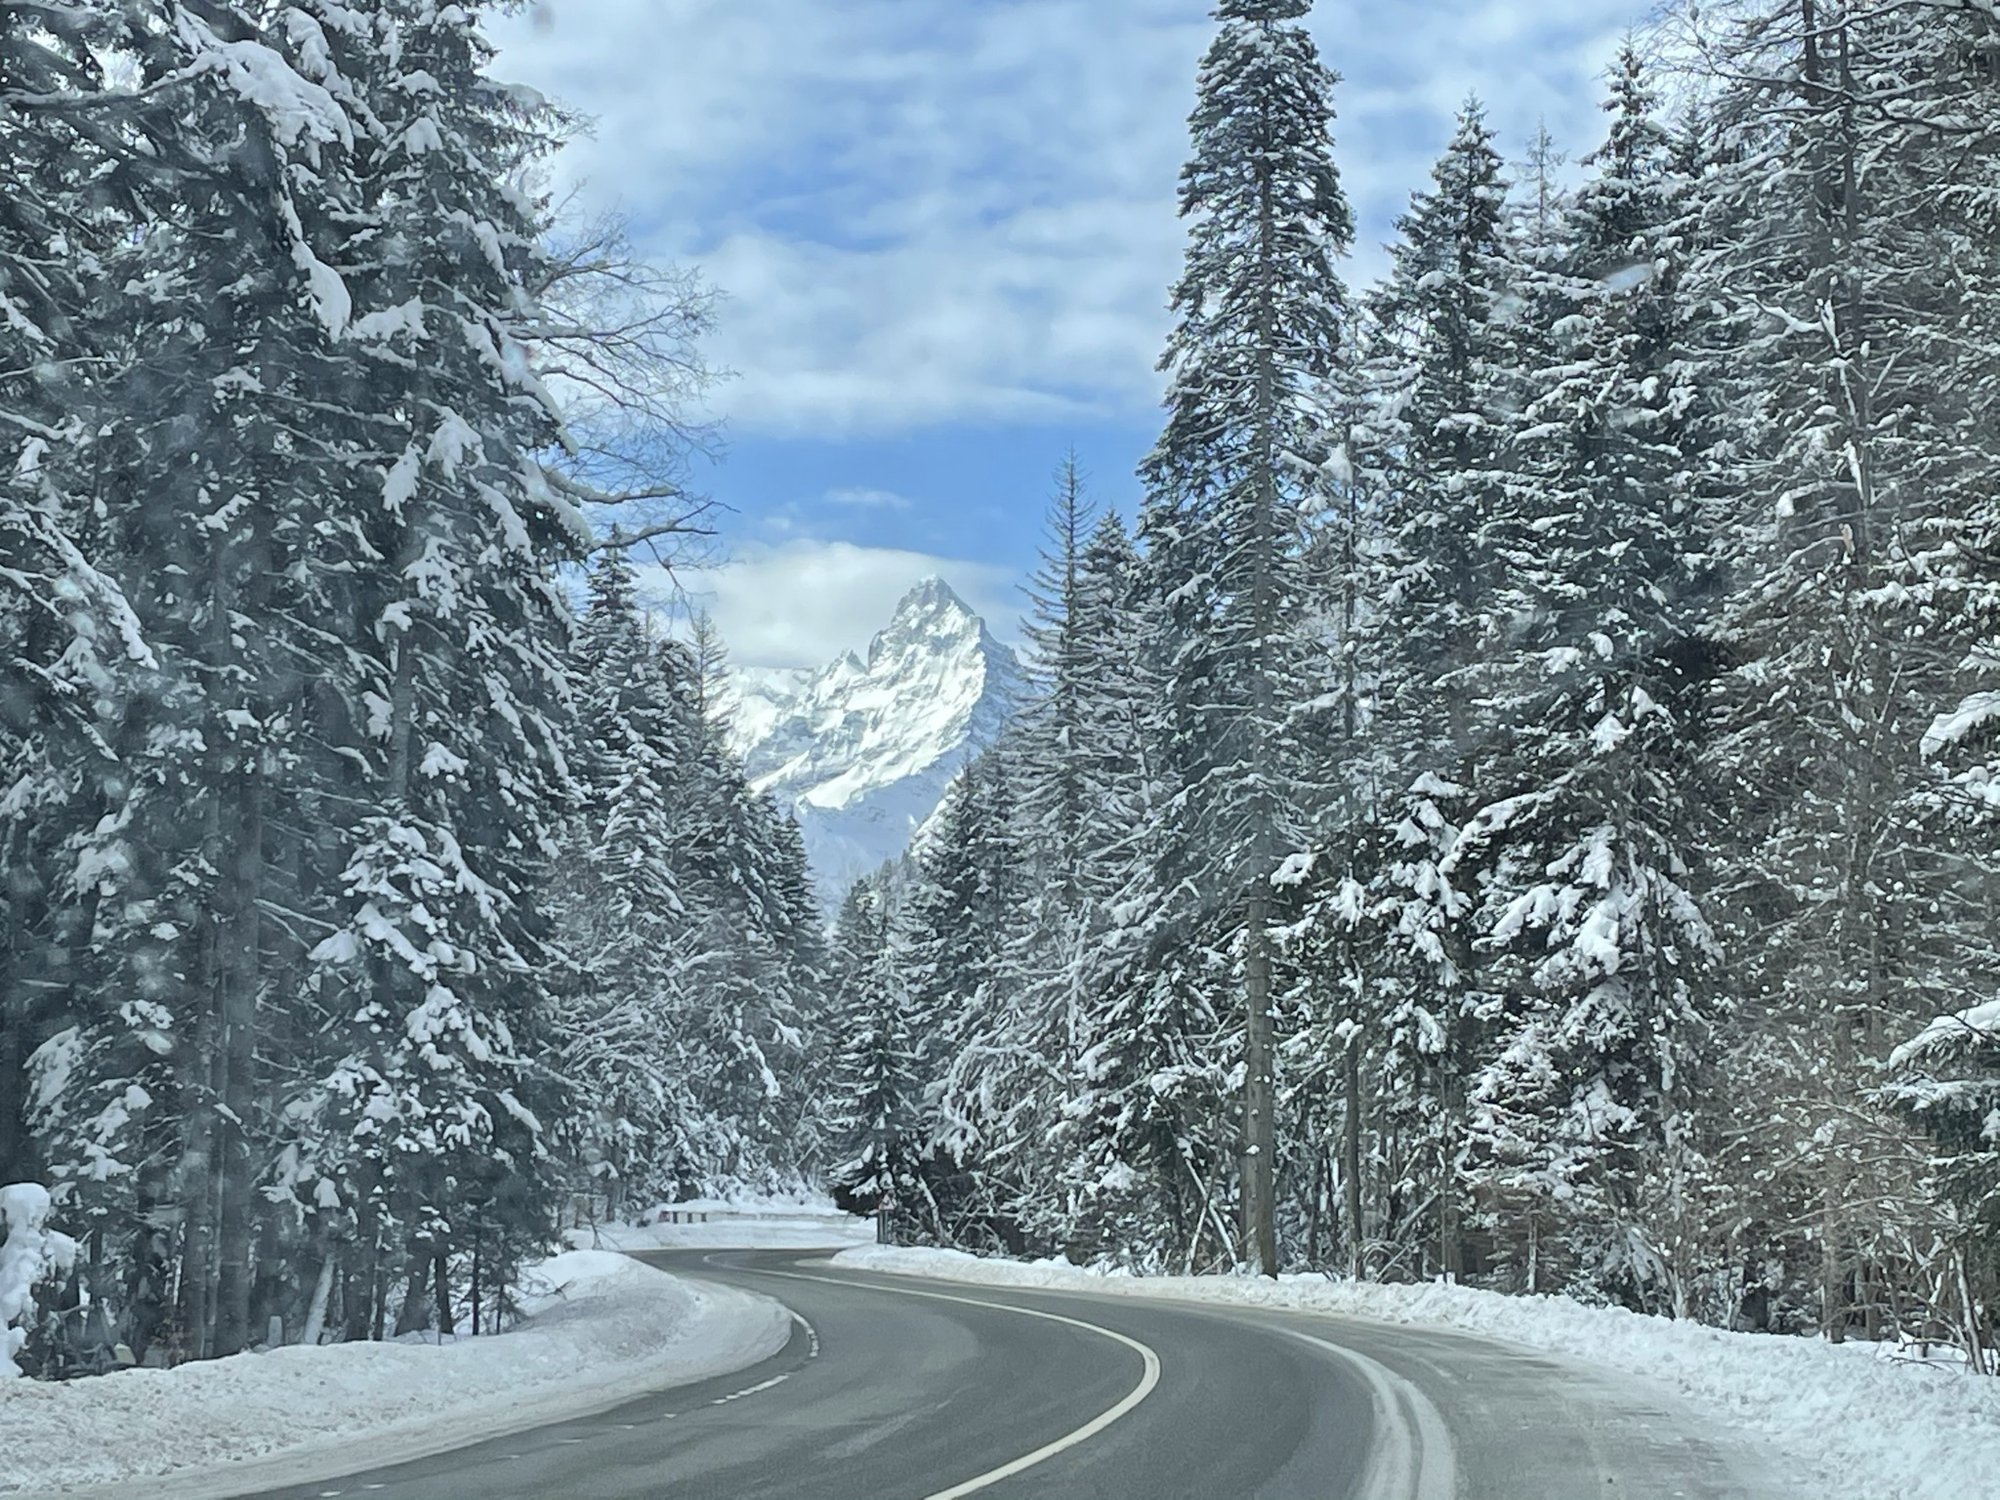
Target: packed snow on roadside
764, 1222
1859, 1421
600, 1328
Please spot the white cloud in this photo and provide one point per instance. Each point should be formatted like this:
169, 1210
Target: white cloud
932, 214
801, 603
861, 497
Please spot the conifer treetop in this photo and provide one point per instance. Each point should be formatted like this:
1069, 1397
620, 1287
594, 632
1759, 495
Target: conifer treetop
1261, 10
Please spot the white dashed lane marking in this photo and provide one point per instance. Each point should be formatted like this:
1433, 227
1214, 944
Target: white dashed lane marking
751, 1390
812, 1352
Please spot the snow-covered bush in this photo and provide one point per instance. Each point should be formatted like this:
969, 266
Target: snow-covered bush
30, 1252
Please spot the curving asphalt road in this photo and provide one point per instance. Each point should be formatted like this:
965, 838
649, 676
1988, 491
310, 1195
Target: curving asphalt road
899, 1389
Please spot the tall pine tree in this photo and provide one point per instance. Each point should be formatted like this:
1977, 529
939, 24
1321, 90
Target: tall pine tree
1260, 309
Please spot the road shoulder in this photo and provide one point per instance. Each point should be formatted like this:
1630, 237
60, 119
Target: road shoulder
609, 1331
1772, 1415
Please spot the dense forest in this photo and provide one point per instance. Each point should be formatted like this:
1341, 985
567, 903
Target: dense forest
363, 897
1514, 805
1518, 805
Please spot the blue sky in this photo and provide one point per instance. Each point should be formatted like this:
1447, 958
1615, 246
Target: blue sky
944, 232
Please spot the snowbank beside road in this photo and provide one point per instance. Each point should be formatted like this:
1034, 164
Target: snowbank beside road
1850, 1422
601, 1329
735, 1224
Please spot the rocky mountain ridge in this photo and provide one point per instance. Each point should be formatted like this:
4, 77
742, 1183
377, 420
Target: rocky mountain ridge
862, 749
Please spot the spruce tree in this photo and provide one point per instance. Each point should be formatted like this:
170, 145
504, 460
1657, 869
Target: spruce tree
1841, 273
617, 905
735, 949
70, 634
1946, 1079
210, 509
1443, 353
1054, 792
1260, 308
1592, 833
439, 958
1104, 1061
1440, 362
876, 1123
962, 932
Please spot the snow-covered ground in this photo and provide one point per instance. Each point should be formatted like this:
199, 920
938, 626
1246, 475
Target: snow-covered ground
1853, 1421
601, 1329
765, 1223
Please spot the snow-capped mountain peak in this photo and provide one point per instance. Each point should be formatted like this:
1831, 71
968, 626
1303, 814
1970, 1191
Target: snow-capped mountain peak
930, 605
863, 749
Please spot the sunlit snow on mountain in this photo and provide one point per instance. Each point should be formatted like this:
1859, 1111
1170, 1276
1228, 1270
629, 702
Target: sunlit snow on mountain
863, 749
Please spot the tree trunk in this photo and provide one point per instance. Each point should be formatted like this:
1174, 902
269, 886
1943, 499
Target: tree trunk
1260, 1229
359, 1283
1319, 1192
274, 1285
315, 1326
240, 974
198, 1243
1451, 1111
441, 1277
1350, 1159
410, 1317
16, 1020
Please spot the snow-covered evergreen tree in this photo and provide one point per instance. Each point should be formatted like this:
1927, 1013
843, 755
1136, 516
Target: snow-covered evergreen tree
32, 1252
209, 508
736, 952
1260, 309
1441, 363
70, 634
1947, 1079
1593, 833
1843, 280
618, 910
426, 1113
963, 924
877, 1125
803, 1060
1055, 791
1112, 1114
